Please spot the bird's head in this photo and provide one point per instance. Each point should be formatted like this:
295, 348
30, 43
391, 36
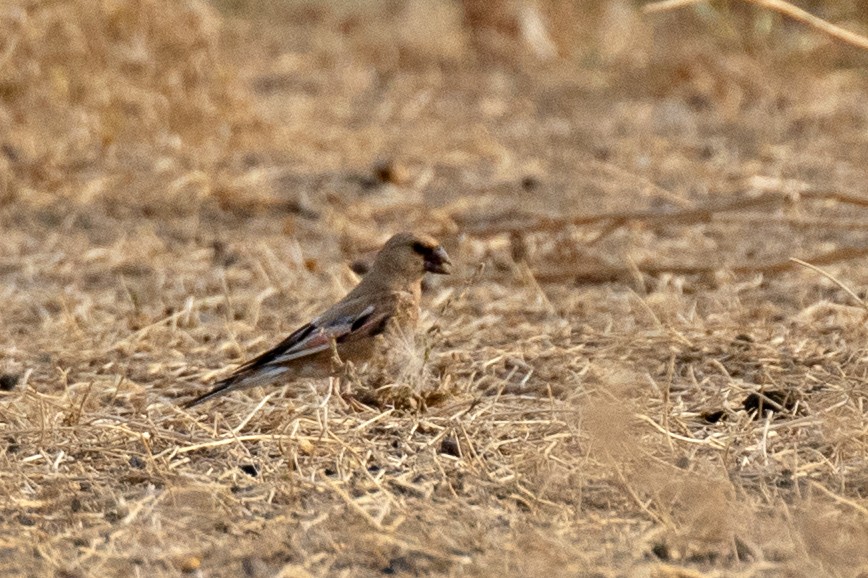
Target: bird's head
413, 254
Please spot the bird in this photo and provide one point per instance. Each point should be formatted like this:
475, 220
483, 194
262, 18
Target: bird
385, 303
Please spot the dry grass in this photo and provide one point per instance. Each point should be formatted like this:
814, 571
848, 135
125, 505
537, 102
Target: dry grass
629, 376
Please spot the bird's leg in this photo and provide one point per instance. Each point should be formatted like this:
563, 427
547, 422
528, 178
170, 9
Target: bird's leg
348, 377
337, 362
340, 384
421, 403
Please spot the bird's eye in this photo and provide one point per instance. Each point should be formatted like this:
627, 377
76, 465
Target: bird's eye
421, 248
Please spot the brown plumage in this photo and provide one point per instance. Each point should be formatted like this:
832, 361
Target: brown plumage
385, 302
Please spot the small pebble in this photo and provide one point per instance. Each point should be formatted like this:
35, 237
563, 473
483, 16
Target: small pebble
450, 447
250, 470
189, 564
392, 172
8, 381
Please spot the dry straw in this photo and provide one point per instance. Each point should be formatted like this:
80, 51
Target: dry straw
628, 375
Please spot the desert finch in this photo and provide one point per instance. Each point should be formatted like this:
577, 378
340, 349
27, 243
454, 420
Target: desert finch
384, 304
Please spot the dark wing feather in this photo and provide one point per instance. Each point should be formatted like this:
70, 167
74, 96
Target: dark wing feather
339, 325
291, 341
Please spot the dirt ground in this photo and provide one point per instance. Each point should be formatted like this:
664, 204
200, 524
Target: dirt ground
626, 376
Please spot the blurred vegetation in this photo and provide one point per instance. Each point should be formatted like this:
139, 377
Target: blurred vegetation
146, 87
134, 88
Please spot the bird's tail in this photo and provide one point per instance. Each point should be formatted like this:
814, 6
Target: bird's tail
242, 380
221, 387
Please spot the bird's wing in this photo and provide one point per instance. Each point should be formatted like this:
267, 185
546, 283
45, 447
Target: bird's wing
345, 322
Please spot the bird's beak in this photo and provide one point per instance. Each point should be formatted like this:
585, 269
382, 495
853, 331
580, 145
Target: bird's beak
438, 262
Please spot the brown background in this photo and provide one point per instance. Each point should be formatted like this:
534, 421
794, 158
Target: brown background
627, 376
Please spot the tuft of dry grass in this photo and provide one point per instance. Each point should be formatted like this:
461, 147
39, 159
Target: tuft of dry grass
628, 374
118, 102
